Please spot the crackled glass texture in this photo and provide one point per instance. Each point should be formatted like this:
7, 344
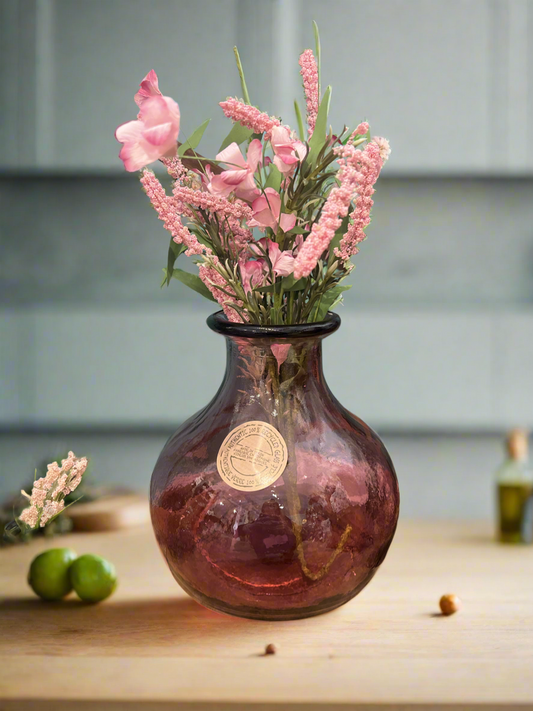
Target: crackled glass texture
312, 539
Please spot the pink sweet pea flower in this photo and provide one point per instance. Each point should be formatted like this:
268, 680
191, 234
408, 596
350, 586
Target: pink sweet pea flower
280, 351
149, 87
287, 151
154, 134
252, 273
266, 212
239, 177
282, 262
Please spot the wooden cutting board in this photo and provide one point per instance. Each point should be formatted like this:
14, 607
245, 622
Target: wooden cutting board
110, 513
150, 647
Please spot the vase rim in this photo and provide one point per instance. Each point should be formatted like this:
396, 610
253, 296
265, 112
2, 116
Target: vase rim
219, 323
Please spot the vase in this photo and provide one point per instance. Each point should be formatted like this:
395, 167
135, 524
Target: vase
274, 502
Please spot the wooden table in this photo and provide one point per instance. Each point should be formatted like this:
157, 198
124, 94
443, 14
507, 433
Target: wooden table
152, 647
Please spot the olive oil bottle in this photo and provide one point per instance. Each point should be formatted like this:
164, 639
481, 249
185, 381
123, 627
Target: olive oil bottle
515, 492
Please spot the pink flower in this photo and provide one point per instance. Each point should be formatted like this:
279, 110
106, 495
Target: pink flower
239, 176
30, 516
50, 510
358, 172
384, 147
213, 279
370, 166
154, 134
267, 212
309, 72
149, 87
252, 273
248, 116
287, 151
362, 129
166, 210
48, 492
282, 262
280, 351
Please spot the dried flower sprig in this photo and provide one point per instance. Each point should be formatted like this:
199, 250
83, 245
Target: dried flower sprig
47, 499
309, 194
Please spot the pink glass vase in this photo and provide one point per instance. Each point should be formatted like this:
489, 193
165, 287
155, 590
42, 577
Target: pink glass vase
242, 531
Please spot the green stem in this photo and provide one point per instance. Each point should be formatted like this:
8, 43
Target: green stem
246, 95
285, 406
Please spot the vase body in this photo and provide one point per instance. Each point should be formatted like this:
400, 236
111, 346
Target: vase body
280, 526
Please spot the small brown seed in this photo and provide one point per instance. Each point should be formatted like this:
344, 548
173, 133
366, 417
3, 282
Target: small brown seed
450, 604
270, 649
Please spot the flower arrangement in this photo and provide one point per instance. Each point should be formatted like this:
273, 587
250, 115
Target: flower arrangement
309, 192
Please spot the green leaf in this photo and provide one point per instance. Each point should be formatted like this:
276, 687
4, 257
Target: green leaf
298, 231
193, 282
321, 128
192, 142
317, 47
299, 120
274, 178
245, 94
287, 284
174, 251
238, 134
330, 299
290, 284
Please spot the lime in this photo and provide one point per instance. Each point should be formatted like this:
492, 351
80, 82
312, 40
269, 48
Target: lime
48, 575
93, 578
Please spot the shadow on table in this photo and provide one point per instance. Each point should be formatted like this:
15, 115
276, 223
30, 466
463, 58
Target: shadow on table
165, 624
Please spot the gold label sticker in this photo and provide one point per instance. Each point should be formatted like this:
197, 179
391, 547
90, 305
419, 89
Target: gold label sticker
252, 457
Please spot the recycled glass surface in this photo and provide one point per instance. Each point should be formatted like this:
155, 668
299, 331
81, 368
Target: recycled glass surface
312, 539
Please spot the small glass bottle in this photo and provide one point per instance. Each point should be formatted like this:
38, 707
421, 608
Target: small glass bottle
515, 492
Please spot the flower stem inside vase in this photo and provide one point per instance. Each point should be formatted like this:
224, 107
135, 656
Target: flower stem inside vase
285, 402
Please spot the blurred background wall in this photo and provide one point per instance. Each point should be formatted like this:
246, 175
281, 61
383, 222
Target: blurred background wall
436, 348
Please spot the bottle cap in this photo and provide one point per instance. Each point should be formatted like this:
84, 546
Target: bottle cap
517, 444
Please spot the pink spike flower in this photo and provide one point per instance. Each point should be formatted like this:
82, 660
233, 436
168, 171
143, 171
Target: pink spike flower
309, 72
358, 172
155, 133
370, 167
213, 280
248, 116
165, 208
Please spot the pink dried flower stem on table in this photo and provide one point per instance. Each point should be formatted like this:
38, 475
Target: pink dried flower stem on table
47, 497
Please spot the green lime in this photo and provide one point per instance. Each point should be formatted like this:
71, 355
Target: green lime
93, 578
48, 575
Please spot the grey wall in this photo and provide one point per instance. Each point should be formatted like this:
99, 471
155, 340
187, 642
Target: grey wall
436, 350
443, 242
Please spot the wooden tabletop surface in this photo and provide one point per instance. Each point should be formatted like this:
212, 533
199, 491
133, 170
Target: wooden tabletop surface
151, 647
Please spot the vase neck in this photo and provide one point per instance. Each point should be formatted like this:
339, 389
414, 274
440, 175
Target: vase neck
295, 362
